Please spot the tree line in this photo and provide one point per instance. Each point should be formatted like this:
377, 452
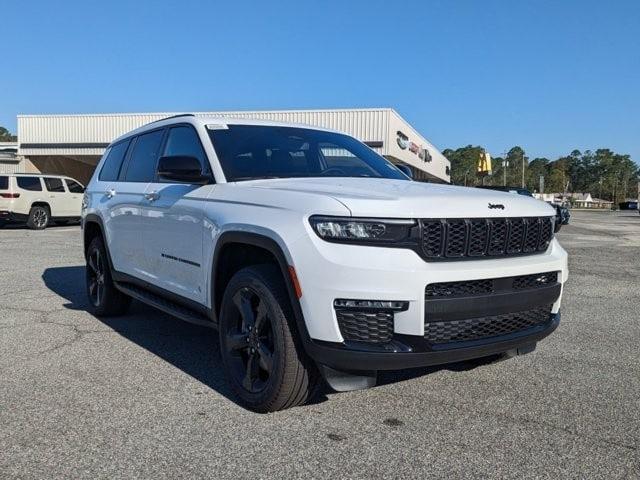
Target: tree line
5, 135
603, 173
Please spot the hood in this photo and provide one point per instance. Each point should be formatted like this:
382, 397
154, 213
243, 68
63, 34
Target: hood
375, 197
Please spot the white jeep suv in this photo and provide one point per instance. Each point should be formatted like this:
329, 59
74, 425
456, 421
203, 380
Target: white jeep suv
313, 256
38, 199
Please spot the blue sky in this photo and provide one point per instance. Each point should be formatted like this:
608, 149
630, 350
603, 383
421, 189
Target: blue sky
547, 75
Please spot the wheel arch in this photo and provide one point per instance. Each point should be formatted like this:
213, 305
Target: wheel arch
93, 226
42, 203
254, 241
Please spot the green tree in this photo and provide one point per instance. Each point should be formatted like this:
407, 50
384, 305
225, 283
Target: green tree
516, 162
464, 165
5, 135
537, 168
603, 173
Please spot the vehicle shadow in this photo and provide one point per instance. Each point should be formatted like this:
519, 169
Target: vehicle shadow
23, 226
191, 348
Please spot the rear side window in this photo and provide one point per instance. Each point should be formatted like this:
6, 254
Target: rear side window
53, 184
29, 183
4, 183
73, 186
142, 163
184, 141
113, 162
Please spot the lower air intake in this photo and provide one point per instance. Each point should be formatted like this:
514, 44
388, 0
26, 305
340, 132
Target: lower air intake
485, 327
365, 326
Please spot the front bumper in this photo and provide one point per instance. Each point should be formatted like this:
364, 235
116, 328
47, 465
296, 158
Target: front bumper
407, 351
328, 271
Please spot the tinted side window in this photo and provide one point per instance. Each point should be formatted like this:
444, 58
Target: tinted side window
73, 186
184, 141
4, 183
54, 184
142, 164
113, 162
29, 183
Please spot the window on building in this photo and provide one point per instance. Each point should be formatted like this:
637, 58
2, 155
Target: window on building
29, 183
142, 164
183, 140
53, 184
113, 163
73, 186
344, 161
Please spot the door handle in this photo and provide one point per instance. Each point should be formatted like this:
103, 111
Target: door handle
110, 193
152, 196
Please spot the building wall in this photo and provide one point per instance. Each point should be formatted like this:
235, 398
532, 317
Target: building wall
11, 166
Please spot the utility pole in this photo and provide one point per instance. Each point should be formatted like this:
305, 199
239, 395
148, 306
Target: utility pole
523, 169
505, 164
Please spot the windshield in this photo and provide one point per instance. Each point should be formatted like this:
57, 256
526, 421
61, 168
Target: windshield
250, 152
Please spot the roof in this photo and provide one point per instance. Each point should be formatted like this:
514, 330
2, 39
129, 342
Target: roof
26, 174
205, 120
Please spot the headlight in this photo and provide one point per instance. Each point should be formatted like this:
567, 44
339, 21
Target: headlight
363, 230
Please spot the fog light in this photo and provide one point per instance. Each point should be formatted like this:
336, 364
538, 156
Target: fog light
394, 305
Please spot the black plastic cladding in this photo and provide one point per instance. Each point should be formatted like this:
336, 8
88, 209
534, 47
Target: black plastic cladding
468, 238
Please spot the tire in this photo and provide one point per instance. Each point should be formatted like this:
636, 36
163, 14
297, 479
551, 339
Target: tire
39, 217
261, 352
104, 298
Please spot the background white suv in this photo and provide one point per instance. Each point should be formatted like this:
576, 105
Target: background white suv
313, 256
39, 199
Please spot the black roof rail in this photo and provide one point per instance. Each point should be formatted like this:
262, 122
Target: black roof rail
173, 116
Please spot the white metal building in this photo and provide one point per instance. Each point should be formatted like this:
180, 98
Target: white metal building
72, 144
10, 162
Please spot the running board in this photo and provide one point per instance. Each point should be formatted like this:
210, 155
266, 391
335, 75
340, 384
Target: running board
161, 303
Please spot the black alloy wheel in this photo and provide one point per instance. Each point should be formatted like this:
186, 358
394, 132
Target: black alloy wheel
95, 278
261, 352
249, 341
104, 298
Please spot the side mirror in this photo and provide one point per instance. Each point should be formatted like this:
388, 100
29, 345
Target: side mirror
406, 169
181, 168
558, 224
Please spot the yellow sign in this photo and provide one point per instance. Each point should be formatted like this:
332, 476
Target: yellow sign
484, 163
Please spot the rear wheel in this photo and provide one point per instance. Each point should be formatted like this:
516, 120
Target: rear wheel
262, 357
39, 217
105, 299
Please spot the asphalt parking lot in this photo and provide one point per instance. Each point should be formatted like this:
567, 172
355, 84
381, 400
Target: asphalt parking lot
143, 395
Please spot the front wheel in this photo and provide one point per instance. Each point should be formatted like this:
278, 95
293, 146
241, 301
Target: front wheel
261, 355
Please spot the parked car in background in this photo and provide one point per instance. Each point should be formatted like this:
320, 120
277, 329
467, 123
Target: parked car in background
629, 205
37, 200
314, 256
562, 213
